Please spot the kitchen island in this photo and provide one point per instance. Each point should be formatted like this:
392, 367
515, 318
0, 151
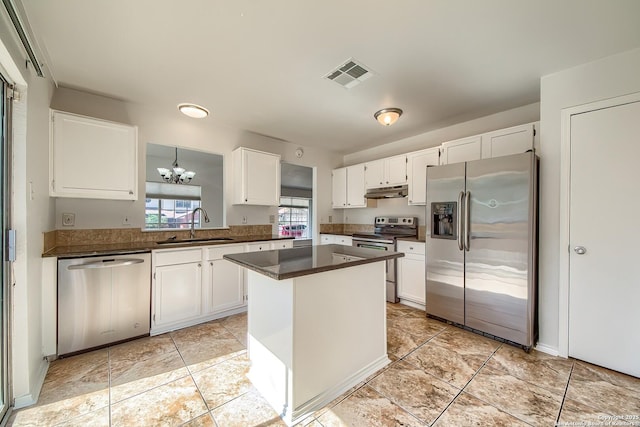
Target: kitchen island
316, 323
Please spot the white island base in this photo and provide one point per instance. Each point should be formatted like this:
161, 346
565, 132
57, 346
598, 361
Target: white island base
311, 338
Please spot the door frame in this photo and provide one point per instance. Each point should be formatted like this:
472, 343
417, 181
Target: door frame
565, 206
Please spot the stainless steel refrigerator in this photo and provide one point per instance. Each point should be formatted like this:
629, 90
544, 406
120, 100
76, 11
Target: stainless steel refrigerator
481, 237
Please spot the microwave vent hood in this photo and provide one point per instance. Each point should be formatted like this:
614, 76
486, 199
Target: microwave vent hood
387, 192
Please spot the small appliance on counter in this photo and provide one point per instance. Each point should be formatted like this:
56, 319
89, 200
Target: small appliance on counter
387, 230
102, 300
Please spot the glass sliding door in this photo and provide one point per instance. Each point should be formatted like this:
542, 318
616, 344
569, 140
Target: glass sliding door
5, 162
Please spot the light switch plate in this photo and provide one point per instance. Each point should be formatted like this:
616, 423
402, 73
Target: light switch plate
272, 219
68, 219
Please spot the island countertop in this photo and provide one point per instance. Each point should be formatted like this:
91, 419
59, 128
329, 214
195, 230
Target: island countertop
283, 264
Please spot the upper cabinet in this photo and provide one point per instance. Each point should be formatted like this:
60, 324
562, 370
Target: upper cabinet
348, 187
417, 171
386, 172
503, 142
462, 150
92, 158
256, 177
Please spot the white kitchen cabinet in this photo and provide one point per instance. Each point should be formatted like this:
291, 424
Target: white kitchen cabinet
176, 289
335, 239
387, 172
256, 177
348, 187
504, 142
92, 158
225, 287
411, 272
417, 171
461, 150
281, 244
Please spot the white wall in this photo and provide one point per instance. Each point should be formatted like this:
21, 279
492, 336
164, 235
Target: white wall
517, 116
32, 214
168, 127
607, 78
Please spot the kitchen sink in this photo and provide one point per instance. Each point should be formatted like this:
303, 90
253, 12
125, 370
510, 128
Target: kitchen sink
183, 241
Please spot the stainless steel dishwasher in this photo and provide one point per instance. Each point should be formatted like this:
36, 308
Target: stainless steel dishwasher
102, 300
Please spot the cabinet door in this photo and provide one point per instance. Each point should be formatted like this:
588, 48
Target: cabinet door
417, 171
91, 158
355, 187
396, 170
326, 239
262, 172
411, 278
374, 174
462, 150
342, 240
226, 289
504, 142
339, 188
177, 293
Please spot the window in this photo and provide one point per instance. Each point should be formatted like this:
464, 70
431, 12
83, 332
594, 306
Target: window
294, 217
170, 205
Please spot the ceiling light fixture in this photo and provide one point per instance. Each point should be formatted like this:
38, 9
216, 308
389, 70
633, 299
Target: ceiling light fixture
176, 175
388, 116
193, 110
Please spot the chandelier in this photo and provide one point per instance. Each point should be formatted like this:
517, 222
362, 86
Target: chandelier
176, 175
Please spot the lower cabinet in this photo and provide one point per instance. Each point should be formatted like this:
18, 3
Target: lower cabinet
411, 272
195, 285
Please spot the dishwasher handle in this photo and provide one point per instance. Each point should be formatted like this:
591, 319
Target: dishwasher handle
107, 263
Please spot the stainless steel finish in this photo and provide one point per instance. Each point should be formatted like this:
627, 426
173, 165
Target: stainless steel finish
499, 272
387, 192
444, 258
106, 263
193, 215
467, 219
459, 221
580, 250
102, 300
387, 229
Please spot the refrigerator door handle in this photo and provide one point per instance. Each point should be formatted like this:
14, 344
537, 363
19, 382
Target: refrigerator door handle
459, 220
467, 220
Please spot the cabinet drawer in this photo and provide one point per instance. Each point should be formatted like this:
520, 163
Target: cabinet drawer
256, 247
281, 244
218, 251
411, 247
178, 257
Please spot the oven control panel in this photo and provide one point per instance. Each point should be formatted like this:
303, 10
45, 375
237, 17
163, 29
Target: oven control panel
395, 220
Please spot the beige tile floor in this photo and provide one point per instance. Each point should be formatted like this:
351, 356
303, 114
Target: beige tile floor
440, 375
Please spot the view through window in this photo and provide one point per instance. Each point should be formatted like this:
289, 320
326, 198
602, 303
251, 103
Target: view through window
294, 217
171, 205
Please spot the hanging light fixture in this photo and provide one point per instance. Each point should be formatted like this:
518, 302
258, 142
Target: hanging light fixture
176, 175
388, 116
193, 110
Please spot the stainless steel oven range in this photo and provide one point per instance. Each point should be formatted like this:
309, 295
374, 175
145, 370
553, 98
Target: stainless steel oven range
387, 230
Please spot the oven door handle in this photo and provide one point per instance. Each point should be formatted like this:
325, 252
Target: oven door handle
371, 246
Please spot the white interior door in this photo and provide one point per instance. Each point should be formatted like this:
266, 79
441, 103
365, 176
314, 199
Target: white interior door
604, 284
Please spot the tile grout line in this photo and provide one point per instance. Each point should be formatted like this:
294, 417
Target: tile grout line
564, 396
468, 382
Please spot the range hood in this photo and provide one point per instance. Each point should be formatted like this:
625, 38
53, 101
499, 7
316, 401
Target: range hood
387, 192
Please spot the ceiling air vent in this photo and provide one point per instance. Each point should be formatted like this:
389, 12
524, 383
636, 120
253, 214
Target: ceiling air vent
349, 74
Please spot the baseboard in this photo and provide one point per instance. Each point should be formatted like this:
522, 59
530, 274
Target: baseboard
413, 304
329, 395
36, 387
547, 349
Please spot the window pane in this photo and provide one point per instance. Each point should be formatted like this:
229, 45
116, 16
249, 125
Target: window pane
294, 217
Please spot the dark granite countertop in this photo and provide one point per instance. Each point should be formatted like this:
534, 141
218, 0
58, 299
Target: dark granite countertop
141, 247
340, 234
288, 263
412, 239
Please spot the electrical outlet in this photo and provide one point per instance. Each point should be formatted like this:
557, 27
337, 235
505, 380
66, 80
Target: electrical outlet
272, 219
126, 220
330, 219
68, 219
244, 219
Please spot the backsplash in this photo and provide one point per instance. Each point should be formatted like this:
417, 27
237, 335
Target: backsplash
99, 236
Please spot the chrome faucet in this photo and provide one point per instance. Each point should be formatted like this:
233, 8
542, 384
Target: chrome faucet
193, 217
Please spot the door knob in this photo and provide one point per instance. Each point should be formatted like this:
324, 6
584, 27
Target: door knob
580, 250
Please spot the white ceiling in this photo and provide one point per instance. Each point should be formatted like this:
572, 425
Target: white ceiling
259, 65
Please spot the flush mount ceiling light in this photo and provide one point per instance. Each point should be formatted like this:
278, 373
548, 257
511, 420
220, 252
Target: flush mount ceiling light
388, 116
193, 110
176, 175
